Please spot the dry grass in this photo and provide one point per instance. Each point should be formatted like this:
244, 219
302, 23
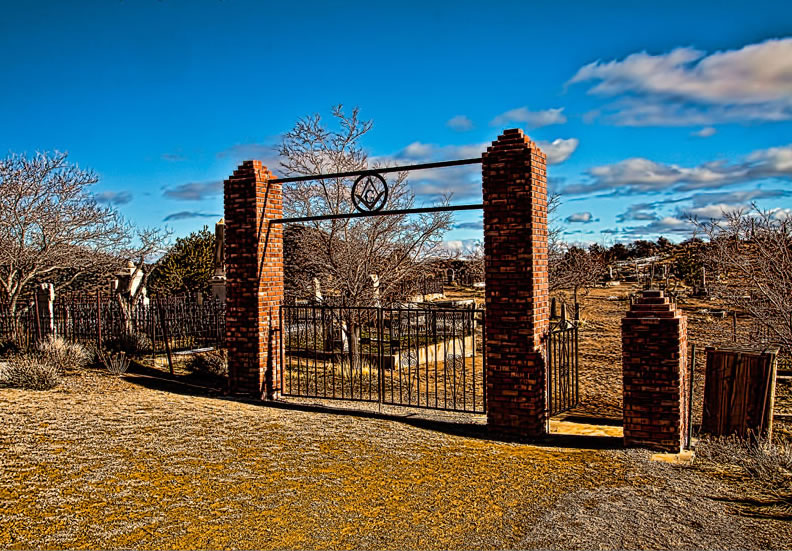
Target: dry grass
105, 462
63, 354
135, 462
29, 372
767, 465
119, 465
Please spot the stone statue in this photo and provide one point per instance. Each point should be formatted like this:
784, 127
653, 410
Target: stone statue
219, 278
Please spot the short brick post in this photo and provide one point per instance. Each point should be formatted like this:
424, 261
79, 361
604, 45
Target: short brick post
514, 182
254, 286
654, 363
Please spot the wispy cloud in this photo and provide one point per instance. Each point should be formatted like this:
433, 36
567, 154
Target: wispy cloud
113, 197
639, 175
461, 181
740, 197
195, 191
187, 214
668, 225
264, 152
639, 211
705, 132
687, 86
460, 123
173, 157
532, 119
479, 225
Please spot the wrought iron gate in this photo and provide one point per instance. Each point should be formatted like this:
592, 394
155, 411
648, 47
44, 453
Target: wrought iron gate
562, 364
417, 357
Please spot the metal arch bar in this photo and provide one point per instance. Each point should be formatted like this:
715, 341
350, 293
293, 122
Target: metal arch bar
379, 213
381, 170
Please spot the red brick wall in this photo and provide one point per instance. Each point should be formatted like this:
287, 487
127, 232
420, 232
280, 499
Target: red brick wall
514, 181
254, 287
654, 363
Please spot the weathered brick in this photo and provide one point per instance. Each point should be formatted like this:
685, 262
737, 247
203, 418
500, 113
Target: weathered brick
254, 286
654, 360
515, 244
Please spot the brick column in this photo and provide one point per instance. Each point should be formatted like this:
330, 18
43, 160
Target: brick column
254, 286
514, 181
654, 363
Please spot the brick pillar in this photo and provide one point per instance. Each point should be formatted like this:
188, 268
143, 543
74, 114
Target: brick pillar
254, 286
514, 182
654, 362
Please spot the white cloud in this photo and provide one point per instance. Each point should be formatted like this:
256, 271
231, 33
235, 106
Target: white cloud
419, 151
639, 175
705, 132
532, 119
463, 181
782, 213
774, 159
581, 217
686, 86
714, 211
559, 150
460, 123
740, 197
463, 246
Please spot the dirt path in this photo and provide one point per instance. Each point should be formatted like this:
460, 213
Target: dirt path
105, 463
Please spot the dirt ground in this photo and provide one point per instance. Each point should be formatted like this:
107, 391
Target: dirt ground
145, 462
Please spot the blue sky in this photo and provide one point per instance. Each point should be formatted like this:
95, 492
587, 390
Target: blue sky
648, 111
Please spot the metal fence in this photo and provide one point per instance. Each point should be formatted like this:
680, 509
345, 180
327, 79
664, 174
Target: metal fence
418, 357
164, 324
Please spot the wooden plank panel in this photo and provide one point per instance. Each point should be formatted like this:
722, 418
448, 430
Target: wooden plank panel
739, 392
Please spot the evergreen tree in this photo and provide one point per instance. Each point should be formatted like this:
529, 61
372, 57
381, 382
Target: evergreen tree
187, 268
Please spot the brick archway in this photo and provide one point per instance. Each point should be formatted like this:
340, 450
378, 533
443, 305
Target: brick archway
514, 182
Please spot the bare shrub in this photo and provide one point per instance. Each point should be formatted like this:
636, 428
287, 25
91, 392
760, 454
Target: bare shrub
214, 363
116, 363
757, 458
63, 354
29, 372
131, 342
750, 255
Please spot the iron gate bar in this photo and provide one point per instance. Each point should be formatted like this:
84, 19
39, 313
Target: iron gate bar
304, 340
378, 213
370, 171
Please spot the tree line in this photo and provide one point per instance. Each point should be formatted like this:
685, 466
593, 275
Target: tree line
52, 230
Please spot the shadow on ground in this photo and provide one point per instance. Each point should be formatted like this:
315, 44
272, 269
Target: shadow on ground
462, 425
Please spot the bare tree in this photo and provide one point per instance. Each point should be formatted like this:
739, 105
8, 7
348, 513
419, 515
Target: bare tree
576, 269
750, 253
52, 229
555, 247
344, 253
